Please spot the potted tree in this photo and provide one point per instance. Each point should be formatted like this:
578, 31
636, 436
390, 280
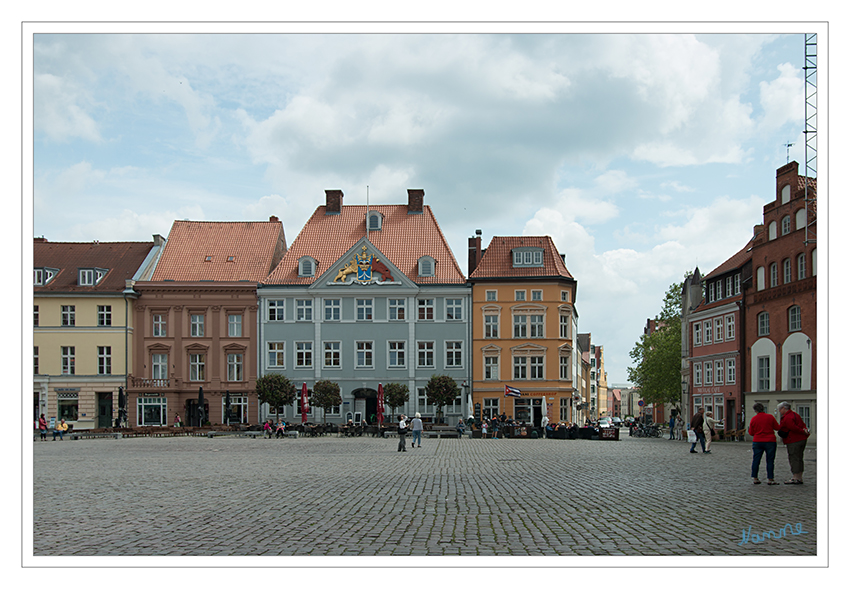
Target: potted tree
440, 391
326, 395
395, 396
276, 390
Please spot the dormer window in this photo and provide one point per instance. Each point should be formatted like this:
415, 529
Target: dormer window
528, 257
375, 221
306, 267
426, 266
42, 276
90, 276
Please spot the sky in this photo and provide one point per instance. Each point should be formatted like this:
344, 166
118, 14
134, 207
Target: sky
642, 155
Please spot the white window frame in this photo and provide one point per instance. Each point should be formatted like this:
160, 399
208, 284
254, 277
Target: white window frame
730, 327
564, 368
104, 360
698, 333
333, 310
364, 349
786, 270
718, 372
276, 355
536, 326
698, 373
491, 295
69, 360
38, 276
491, 326
238, 409
454, 309
711, 293
69, 315
728, 286
159, 367
427, 266
786, 225
303, 355
397, 309
162, 402
424, 309
234, 367
519, 295
763, 373
718, 330
364, 309
520, 368
332, 350
277, 309
303, 309
196, 325
730, 371
520, 326
763, 319
737, 284
564, 322
159, 325
197, 367
490, 408
86, 277
774, 274
491, 367
396, 354
795, 323
536, 295
708, 372
425, 354
706, 332
104, 315
234, 325
536, 368
801, 266
454, 354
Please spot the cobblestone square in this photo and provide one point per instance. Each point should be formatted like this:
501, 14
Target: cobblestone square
351, 496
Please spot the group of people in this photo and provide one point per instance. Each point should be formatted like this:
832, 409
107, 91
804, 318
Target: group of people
677, 427
415, 426
791, 429
58, 430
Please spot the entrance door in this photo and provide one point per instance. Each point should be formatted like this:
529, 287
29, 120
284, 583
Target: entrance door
537, 412
104, 410
371, 410
730, 414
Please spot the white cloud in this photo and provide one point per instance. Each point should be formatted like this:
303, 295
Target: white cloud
614, 181
58, 112
782, 99
677, 186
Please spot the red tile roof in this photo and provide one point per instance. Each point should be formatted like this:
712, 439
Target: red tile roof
736, 261
200, 250
403, 239
122, 259
497, 261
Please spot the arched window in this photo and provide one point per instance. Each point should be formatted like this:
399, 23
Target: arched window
760, 278
771, 230
801, 266
786, 193
801, 219
795, 318
375, 221
306, 267
764, 323
774, 275
786, 224
786, 271
426, 266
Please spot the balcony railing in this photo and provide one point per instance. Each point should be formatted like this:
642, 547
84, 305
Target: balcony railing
150, 383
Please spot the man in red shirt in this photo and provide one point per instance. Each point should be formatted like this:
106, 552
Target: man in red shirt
762, 426
794, 433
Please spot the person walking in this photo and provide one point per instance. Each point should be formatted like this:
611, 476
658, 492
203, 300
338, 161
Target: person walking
402, 432
696, 425
416, 425
42, 427
672, 426
708, 430
762, 426
680, 426
794, 433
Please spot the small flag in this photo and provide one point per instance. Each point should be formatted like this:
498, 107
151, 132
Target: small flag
512, 392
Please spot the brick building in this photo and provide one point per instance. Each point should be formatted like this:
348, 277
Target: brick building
781, 302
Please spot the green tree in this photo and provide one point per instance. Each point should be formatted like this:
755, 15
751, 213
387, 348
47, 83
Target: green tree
440, 391
326, 395
395, 396
657, 357
276, 390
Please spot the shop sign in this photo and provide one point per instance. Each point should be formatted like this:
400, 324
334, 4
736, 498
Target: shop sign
68, 390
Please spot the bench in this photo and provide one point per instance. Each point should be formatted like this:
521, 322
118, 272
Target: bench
247, 433
441, 431
83, 434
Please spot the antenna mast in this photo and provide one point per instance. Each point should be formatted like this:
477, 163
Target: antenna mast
367, 212
810, 70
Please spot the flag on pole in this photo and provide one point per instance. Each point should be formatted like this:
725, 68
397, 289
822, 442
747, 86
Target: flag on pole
380, 404
511, 392
305, 405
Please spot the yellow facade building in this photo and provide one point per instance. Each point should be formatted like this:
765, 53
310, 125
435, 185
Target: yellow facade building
82, 327
525, 361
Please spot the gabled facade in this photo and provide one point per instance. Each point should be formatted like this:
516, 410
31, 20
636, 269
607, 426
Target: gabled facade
716, 340
197, 323
83, 327
523, 327
781, 304
367, 296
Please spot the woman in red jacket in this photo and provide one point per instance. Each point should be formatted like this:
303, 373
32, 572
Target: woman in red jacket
794, 433
762, 426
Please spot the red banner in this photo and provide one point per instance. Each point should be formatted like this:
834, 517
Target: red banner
305, 405
380, 403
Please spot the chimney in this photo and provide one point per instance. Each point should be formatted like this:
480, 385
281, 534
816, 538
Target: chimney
474, 251
757, 229
333, 205
415, 196
158, 240
39, 239
273, 219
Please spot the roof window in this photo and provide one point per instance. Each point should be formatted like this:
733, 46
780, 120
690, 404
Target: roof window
41, 276
90, 276
527, 257
426, 266
208, 259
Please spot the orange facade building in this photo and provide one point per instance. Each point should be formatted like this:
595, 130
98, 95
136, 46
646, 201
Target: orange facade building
524, 325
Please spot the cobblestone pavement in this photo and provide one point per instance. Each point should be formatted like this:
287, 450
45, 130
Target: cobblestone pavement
343, 496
